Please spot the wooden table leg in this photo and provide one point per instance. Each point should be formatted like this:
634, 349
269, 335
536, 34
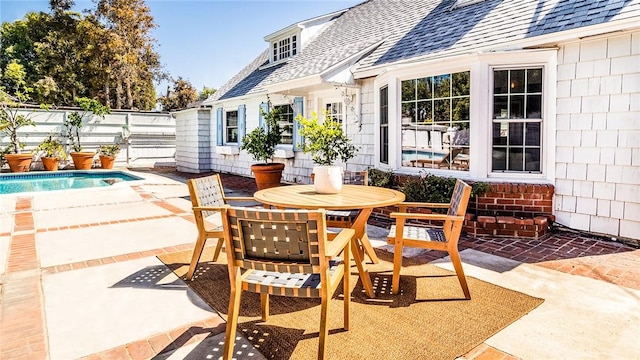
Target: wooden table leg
364, 273
360, 226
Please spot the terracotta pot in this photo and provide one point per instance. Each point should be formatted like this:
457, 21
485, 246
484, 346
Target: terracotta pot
82, 160
19, 162
50, 163
267, 175
107, 161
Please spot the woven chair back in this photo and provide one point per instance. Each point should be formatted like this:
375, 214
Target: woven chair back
457, 206
289, 241
356, 177
206, 191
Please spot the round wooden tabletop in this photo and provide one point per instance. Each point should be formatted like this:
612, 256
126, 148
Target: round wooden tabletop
351, 197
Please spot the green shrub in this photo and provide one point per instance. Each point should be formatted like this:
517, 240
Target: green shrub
382, 178
436, 189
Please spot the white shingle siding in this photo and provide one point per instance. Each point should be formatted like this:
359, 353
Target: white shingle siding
598, 135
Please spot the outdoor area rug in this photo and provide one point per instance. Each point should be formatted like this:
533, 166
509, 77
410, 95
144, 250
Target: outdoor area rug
429, 319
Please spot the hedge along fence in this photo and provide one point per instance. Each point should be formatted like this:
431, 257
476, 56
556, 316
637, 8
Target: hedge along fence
495, 209
144, 137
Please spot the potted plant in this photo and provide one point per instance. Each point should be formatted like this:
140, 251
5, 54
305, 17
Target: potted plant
82, 160
11, 120
327, 143
52, 152
107, 154
261, 144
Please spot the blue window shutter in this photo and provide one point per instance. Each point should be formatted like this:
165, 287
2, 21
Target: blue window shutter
264, 107
242, 122
297, 139
219, 134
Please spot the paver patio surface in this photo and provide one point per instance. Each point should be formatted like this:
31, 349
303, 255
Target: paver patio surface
80, 279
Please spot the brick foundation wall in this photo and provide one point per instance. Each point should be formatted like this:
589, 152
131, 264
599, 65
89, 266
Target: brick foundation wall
506, 210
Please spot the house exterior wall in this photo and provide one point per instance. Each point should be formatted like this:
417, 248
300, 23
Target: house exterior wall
145, 138
193, 136
598, 135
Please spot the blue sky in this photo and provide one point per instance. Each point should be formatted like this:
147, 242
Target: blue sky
206, 41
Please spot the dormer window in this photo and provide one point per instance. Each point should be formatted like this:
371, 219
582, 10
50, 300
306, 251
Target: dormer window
284, 48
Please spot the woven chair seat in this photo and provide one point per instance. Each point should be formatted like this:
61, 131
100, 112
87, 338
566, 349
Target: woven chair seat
417, 233
342, 215
286, 284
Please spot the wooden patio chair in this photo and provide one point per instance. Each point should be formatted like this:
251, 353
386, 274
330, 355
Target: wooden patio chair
444, 238
207, 191
285, 253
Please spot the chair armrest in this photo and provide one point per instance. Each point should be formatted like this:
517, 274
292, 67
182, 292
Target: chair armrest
239, 198
335, 246
422, 205
209, 208
418, 216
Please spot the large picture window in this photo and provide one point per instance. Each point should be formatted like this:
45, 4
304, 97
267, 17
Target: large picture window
232, 126
517, 120
435, 121
286, 123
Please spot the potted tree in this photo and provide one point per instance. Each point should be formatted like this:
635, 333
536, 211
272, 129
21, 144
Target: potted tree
261, 144
107, 154
11, 120
327, 143
82, 160
52, 152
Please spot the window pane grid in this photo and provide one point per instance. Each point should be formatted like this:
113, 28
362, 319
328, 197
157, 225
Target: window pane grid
384, 125
285, 123
435, 121
517, 120
232, 126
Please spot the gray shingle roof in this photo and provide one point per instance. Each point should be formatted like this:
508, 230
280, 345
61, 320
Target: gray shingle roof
419, 28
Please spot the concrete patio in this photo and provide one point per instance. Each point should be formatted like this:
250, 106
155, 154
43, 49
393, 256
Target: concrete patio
80, 280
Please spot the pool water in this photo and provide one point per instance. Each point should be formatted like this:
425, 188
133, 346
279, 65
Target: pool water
60, 180
422, 155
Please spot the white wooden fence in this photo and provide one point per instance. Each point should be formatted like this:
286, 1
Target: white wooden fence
145, 138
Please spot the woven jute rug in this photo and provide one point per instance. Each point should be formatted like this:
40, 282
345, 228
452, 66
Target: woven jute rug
430, 319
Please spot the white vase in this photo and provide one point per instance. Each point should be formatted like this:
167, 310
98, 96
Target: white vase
327, 179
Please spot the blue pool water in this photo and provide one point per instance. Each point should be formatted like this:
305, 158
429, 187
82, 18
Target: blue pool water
422, 155
60, 180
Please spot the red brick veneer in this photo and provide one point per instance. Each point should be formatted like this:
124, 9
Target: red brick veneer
506, 210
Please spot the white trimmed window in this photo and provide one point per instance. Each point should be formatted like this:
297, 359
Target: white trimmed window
495, 107
334, 111
284, 48
286, 123
231, 126
517, 120
435, 121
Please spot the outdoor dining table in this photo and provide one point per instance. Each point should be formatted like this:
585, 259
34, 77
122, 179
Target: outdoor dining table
351, 197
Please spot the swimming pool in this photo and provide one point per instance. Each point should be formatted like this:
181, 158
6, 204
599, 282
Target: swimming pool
409, 155
60, 180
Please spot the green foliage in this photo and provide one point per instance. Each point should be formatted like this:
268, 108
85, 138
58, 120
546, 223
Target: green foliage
181, 95
109, 150
381, 178
53, 148
73, 123
436, 189
261, 143
10, 119
326, 142
206, 92
107, 53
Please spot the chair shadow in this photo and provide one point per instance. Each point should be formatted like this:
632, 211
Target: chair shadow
211, 283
